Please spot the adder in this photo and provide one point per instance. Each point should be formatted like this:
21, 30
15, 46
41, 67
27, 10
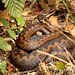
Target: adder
25, 56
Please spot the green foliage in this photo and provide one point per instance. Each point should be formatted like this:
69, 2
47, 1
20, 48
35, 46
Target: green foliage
14, 7
20, 28
68, 11
4, 45
60, 66
3, 66
5, 23
13, 27
12, 33
3, 41
20, 20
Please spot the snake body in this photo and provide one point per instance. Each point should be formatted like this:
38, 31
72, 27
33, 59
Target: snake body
26, 57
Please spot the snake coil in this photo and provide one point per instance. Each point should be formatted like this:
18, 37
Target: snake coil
26, 57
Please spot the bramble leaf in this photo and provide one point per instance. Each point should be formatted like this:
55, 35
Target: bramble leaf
3, 66
4, 45
60, 66
20, 20
12, 33
5, 23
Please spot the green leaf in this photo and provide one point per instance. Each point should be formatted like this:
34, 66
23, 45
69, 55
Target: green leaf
5, 23
60, 66
7, 39
20, 20
13, 27
7, 46
1, 39
12, 33
20, 28
14, 7
3, 66
4, 45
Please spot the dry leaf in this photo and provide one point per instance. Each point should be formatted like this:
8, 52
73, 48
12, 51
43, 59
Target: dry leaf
26, 11
44, 5
9, 68
37, 8
4, 14
43, 69
73, 32
71, 29
53, 20
57, 3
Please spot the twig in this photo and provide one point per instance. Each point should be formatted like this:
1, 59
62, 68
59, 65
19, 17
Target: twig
32, 4
66, 55
9, 39
50, 14
3, 32
69, 55
67, 16
57, 58
62, 32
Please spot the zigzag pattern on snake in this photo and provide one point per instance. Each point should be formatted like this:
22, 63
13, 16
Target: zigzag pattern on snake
28, 41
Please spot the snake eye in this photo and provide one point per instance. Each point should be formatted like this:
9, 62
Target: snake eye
40, 32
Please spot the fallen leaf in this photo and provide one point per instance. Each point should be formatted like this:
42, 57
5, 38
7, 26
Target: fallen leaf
37, 8
26, 11
73, 32
9, 68
53, 20
44, 69
44, 5
71, 29
4, 14
57, 2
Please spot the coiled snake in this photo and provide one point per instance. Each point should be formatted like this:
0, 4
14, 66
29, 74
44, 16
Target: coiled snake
26, 56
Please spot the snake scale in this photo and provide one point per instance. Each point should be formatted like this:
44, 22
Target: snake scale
25, 56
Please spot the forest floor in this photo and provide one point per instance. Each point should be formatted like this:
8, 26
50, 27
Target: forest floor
58, 14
